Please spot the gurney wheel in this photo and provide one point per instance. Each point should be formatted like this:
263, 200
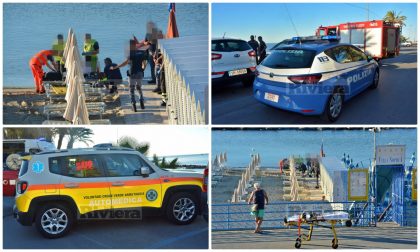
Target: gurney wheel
348, 223
334, 243
298, 243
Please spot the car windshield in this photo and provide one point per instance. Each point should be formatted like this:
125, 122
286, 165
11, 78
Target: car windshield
289, 58
229, 45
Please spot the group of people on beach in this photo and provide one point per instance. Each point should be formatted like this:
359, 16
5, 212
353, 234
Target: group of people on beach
141, 53
259, 47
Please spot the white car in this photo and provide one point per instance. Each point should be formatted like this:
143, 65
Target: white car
406, 44
232, 60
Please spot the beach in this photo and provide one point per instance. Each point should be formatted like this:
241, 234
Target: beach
24, 106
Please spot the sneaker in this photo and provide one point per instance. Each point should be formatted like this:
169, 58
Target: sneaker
163, 104
134, 107
142, 104
157, 90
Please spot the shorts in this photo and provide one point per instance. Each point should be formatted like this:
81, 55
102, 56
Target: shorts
259, 213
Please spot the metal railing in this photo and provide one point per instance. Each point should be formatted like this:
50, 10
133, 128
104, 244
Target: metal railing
237, 216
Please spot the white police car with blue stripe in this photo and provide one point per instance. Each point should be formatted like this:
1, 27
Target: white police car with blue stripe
314, 76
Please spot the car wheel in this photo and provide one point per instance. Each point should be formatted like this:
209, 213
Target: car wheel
375, 81
53, 220
182, 208
334, 106
247, 82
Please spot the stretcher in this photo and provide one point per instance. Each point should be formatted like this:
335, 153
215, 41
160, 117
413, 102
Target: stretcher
301, 221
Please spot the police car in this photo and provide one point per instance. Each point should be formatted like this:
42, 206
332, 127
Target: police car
314, 76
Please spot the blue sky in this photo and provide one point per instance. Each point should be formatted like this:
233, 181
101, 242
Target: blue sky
164, 140
272, 22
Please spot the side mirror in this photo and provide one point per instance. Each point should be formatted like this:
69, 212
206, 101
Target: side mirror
145, 171
369, 58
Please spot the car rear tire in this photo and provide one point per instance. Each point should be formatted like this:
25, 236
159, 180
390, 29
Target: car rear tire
334, 106
182, 208
54, 220
375, 81
247, 82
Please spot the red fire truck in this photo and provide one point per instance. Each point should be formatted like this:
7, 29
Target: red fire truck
377, 38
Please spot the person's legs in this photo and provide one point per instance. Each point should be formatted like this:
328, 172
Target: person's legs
256, 222
34, 74
131, 84
260, 215
38, 79
163, 86
157, 73
94, 63
139, 77
152, 70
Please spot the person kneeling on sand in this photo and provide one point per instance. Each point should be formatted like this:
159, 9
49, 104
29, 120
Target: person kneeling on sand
260, 199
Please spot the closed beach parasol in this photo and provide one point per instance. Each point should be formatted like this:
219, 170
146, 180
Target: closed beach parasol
172, 31
76, 109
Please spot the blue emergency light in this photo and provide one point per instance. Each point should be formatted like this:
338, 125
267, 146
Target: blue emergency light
330, 37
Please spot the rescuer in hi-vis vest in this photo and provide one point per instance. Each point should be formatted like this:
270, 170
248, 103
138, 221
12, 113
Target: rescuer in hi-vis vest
91, 51
58, 49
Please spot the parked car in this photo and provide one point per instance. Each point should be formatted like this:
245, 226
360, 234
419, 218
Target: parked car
406, 44
314, 78
232, 60
57, 188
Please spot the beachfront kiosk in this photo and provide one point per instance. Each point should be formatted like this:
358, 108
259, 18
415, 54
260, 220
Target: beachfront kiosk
389, 184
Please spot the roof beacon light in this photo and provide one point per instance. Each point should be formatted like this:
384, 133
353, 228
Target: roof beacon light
330, 37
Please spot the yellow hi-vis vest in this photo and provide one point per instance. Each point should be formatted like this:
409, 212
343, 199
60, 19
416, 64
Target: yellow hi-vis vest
58, 50
88, 47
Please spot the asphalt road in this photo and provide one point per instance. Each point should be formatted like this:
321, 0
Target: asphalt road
393, 102
391, 237
149, 233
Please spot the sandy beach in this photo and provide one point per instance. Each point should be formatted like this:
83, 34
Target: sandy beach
24, 106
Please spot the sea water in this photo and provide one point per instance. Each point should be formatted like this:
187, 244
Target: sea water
274, 145
30, 28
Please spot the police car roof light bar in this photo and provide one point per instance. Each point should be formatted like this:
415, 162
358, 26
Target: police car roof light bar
331, 37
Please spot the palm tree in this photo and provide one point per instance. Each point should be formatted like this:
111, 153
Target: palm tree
79, 135
173, 164
393, 17
155, 159
61, 133
130, 142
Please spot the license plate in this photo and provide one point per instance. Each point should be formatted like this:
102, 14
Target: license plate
271, 97
12, 182
237, 72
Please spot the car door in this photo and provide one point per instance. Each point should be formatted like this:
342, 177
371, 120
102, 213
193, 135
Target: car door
83, 179
129, 189
366, 70
347, 70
